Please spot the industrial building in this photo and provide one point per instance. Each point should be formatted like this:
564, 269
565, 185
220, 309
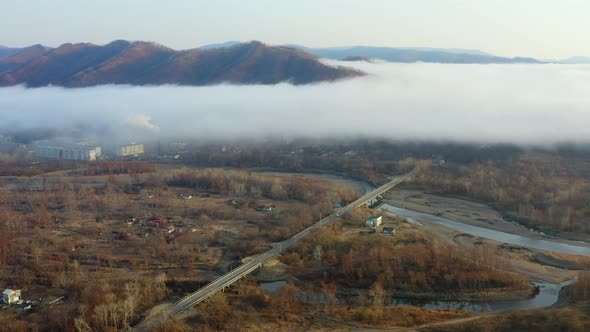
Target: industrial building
12, 148
69, 151
130, 150
9, 146
6, 139
178, 147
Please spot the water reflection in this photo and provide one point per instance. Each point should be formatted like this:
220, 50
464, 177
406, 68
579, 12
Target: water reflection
547, 296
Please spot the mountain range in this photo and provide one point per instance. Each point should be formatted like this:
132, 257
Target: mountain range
575, 60
7, 51
414, 54
408, 55
145, 63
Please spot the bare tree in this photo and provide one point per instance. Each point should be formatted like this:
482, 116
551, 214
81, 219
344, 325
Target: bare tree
102, 315
377, 293
81, 325
318, 253
130, 304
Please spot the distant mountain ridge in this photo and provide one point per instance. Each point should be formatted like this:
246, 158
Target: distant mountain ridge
146, 63
7, 51
575, 60
409, 55
220, 45
399, 54
356, 58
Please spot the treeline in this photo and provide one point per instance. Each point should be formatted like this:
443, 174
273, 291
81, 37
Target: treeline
541, 191
119, 167
99, 305
544, 188
248, 307
242, 183
538, 320
414, 264
580, 290
367, 159
14, 165
111, 306
14, 169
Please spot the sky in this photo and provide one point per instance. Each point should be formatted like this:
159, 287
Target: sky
545, 29
513, 103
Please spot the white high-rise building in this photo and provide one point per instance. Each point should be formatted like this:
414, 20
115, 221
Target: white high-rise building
130, 150
69, 152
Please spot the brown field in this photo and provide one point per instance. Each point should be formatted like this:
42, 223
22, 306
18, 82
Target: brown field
66, 234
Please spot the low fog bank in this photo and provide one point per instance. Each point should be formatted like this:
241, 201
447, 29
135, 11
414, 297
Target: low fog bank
522, 104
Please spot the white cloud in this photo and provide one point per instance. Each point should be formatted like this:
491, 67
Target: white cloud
481, 103
141, 121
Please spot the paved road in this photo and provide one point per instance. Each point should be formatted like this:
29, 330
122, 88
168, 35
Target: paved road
246, 268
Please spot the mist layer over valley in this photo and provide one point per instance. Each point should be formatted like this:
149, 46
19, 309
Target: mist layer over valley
524, 104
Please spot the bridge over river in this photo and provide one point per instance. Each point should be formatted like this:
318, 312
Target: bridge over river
246, 268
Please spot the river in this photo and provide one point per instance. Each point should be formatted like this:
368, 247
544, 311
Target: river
523, 241
547, 296
548, 292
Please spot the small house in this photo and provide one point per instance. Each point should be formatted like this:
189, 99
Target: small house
264, 208
388, 230
374, 221
185, 197
11, 296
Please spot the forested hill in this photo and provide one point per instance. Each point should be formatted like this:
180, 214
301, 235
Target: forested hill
145, 63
